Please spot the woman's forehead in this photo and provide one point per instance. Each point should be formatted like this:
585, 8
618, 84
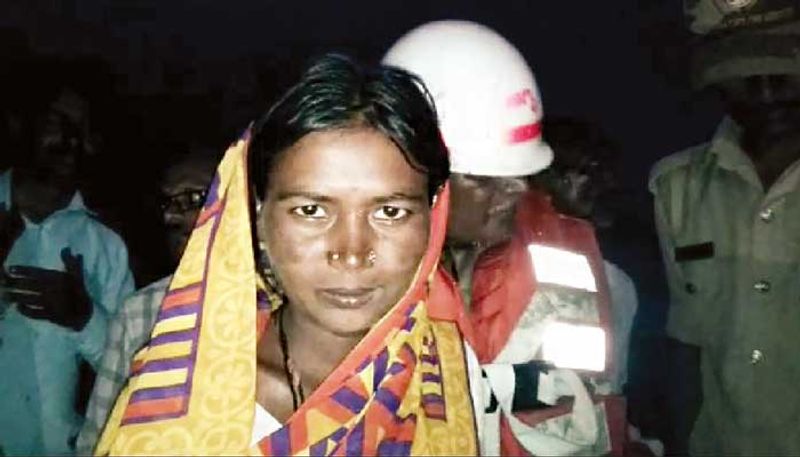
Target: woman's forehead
352, 162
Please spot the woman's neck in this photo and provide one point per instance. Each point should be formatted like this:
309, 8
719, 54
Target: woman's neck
315, 350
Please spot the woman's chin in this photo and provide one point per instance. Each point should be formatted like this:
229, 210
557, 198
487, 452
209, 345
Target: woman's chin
348, 327
349, 322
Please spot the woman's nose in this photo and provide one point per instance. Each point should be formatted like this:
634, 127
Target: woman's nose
351, 246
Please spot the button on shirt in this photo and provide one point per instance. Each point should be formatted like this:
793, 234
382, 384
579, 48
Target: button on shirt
738, 297
39, 360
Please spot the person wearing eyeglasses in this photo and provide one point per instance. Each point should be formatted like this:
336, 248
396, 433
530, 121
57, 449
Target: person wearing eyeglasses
62, 275
182, 194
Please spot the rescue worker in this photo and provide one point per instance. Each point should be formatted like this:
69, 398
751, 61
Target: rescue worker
527, 278
728, 219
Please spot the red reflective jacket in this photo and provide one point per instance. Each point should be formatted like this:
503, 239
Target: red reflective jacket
504, 284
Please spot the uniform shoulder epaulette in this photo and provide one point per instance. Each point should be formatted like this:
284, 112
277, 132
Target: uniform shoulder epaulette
675, 162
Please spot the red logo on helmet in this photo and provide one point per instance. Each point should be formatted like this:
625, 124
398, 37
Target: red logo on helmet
527, 132
522, 98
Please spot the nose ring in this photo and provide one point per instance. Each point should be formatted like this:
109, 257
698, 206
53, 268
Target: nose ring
371, 258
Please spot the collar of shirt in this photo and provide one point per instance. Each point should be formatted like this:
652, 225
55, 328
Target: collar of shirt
726, 147
76, 203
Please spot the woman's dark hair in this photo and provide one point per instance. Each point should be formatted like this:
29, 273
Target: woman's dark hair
336, 93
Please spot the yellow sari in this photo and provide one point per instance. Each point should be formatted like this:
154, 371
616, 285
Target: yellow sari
403, 390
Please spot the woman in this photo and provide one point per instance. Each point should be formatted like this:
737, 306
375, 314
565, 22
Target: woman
354, 346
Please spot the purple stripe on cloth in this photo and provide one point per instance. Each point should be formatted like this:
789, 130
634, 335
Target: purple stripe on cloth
355, 441
379, 368
158, 393
349, 399
262, 301
320, 449
409, 324
174, 337
410, 310
338, 434
396, 368
430, 377
279, 441
431, 359
182, 310
387, 399
364, 364
213, 191
165, 364
394, 448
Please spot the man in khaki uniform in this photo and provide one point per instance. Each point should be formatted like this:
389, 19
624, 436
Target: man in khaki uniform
728, 217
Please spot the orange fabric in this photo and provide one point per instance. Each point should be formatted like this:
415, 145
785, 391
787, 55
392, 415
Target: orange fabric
446, 304
166, 405
502, 285
186, 297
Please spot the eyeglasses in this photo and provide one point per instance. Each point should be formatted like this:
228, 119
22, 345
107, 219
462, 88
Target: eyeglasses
187, 200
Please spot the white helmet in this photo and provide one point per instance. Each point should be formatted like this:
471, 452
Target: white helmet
489, 106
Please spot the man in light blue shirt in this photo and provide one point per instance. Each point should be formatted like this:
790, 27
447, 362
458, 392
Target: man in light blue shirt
63, 274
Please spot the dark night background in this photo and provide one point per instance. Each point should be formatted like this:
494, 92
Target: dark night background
162, 72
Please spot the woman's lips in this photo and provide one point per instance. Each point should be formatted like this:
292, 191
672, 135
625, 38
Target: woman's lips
347, 298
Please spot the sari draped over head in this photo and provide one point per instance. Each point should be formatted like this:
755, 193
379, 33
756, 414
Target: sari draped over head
403, 390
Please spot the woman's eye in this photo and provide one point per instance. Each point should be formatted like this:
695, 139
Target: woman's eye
391, 213
309, 211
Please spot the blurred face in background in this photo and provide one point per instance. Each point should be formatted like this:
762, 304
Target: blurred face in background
578, 182
183, 192
767, 107
482, 208
581, 181
61, 142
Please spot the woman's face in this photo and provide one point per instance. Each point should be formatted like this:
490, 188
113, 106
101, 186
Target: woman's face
345, 222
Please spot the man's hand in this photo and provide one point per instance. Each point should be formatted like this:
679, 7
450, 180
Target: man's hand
11, 227
55, 296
